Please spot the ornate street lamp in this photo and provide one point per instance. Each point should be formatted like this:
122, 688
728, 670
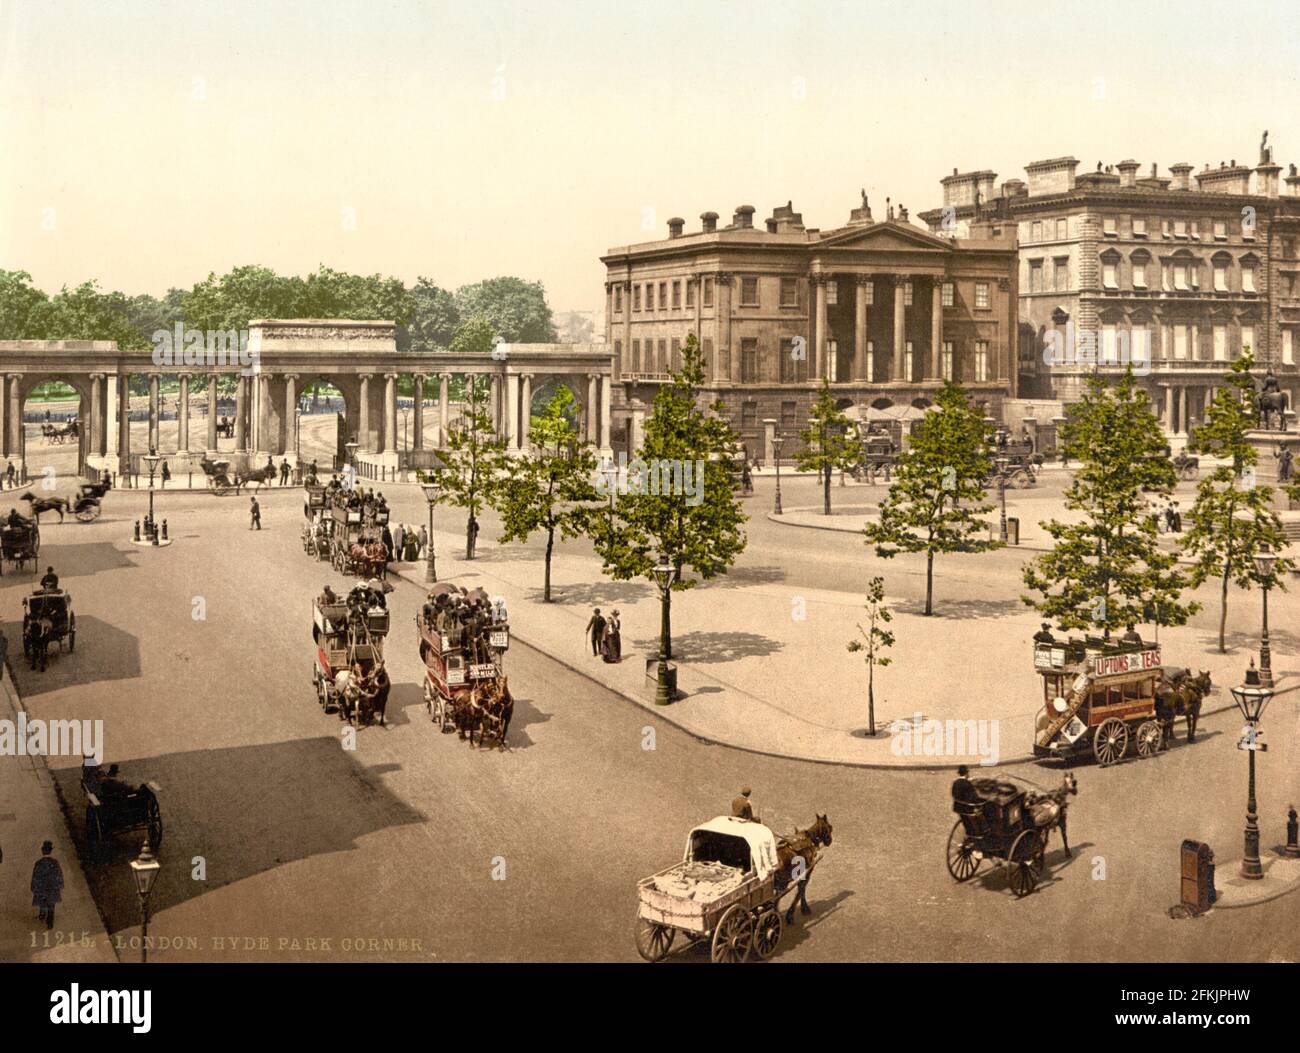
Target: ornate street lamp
663, 576
352, 448
1251, 697
430, 495
1002, 463
1264, 563
152, 459
145, 871
610, 472
777, 443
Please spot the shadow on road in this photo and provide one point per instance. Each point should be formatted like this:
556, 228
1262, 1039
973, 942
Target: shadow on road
103, 652
89, 558
962, 609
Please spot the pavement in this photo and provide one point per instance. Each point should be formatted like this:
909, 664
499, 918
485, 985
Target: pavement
1281, 876
30, 814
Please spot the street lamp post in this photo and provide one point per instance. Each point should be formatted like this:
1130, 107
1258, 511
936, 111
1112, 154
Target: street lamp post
152, 459
431, 568
777, 443
145, 871
610, 472
1251, 698
663, 575
1265, 559
352, 448
1002, 463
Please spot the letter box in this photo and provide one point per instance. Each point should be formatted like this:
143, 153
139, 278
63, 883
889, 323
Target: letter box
1196, 876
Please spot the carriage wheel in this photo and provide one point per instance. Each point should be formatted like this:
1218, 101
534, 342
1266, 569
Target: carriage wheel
1110, 741
767, 933
1148, 737
155, 824
962, 860
94, 832
1019, 479
653, 941
733, 936
1025, 859
87, 515
446, 715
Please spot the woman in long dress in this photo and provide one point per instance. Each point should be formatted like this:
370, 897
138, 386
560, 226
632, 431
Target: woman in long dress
612, 650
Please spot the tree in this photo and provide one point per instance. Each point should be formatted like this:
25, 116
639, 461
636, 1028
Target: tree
86, 313
575, 327
434, 317
1232, 519
936, 501
827, 445
1108, 571
471, 461
516, 308
549, 488
678, 500
25, 311
474, 336
875, 639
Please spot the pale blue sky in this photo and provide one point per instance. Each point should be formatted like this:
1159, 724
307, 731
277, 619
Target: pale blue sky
171, 139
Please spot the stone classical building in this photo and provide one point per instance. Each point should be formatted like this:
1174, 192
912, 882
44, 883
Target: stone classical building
1181, 270
882, 308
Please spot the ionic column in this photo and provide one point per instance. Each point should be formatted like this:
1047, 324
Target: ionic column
1169, 408
183, 416
241, 413
512, 411
153, 411
123, 421
525, 416
900, 330
819, 328
94, 438
605, 399
212, 412
936, 330
15, 443
860, 329
291, 414
591, 407
363, 417
390, 412
444, 411
263, 418
417, 420
494, 405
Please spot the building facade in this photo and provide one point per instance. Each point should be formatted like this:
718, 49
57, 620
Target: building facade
882, 309
1174, 273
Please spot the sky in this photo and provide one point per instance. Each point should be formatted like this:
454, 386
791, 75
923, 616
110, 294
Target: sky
148, 144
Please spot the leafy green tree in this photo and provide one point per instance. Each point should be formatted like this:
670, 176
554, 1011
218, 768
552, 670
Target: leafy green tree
517, 309
678, 500
875, 640
474, 336
86, 313
827, 444
1232, 519
434, 317
1108, 571
549, 487
472, 461
25, 311
336, 294
937, 498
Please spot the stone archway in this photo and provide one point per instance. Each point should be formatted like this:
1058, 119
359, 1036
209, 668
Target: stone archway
24, 438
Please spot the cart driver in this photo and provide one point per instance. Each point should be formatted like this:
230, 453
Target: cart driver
963, 790
1044, 635
50, 581
327, 598
105, 784
740, 806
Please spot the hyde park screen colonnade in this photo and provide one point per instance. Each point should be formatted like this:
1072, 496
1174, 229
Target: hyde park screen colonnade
281, 359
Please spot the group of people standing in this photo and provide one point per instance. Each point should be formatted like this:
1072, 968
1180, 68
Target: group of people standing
606, 636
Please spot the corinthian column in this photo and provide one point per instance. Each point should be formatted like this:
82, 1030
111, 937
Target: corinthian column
183, 416
900, 330
936, 331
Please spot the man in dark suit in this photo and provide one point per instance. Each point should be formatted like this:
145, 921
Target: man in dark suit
740, 806
963, 790
596, 630
47, 884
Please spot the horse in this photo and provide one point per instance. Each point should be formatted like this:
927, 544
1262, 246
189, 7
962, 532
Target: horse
1047, 810
46, 504
1179, 693
1273, 403
36, 640
496, 707
261, 476
801, 845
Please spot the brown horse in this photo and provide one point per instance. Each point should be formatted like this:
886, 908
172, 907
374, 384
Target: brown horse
797, 855
492, 706
1179, 694
46, 504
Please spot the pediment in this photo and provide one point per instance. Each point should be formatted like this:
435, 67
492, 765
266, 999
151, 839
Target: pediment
885, 237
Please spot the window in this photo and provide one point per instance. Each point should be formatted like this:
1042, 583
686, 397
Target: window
1062, 229
907, 294
1166, 228
1062, 277
870, 289
707, 293
707, 348
1180, 228
789, 292
947, 360
618, 353
650, 296
1247, 337
618, 298
1288, 347
1180, 277
1036, 231
635, 367
677, 355
1248, 278
663, 356
1220, 343
677, 296
1194, 229
946, 296
1180, 341
1140, 345
749, 361
1110, 273
636, 297
1220, 230
1139, 226
907, 362
1109, 226
1035, 276
981, 294
1140, 273
789, 415
690, 293
748, 292
1220, 275
833, 360
1108, 354
981, 360
749, 415
792, 369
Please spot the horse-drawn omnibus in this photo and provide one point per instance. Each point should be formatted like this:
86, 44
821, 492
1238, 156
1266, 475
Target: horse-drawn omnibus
348, 672
465, 686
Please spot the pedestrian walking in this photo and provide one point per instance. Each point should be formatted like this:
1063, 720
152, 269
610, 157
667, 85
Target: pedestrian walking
596, 630
255, 515
386, 536
9, 474
613, 639
284, 472
166, 475
424, 540
399, 536
47, 884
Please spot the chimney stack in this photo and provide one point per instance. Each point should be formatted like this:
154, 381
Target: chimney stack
1182, 173
1127, 173
709, 221
744, 217
675, 226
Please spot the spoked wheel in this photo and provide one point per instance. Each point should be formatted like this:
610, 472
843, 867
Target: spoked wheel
155, 825
88, 515
1148, 738
767, 933
1110, 741
1025, 859
962, 860
733, 936
1020, 479
653, 941
72, 633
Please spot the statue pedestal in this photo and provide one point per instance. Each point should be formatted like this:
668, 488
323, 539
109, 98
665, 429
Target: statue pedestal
1271, 446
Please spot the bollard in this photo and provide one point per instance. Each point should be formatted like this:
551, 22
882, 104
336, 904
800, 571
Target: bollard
137, 530
164, 530
1292, 846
